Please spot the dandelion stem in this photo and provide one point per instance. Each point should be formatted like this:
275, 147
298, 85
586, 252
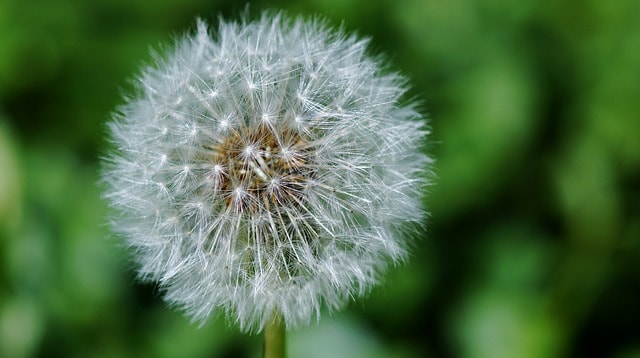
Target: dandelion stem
274, 337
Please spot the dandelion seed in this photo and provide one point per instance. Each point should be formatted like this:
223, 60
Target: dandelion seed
286, 169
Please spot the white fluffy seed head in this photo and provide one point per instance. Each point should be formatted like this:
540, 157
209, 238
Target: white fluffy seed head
269, 168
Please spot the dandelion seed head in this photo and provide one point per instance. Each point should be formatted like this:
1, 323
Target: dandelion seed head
273, 167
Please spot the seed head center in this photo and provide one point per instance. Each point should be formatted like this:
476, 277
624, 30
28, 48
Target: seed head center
262, 168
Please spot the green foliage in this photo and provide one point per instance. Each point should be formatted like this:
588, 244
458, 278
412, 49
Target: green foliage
532, 246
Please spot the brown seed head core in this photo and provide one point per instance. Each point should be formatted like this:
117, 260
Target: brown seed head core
260, 168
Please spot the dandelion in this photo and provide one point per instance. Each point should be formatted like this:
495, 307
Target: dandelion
271, 168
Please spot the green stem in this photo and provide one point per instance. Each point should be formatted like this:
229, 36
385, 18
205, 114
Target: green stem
274, 337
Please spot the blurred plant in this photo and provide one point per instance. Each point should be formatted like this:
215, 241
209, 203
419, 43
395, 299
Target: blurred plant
266, 172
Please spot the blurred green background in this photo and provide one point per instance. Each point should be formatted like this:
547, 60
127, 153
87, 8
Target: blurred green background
532, 247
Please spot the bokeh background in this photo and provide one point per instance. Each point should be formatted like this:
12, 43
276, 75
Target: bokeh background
532, 248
